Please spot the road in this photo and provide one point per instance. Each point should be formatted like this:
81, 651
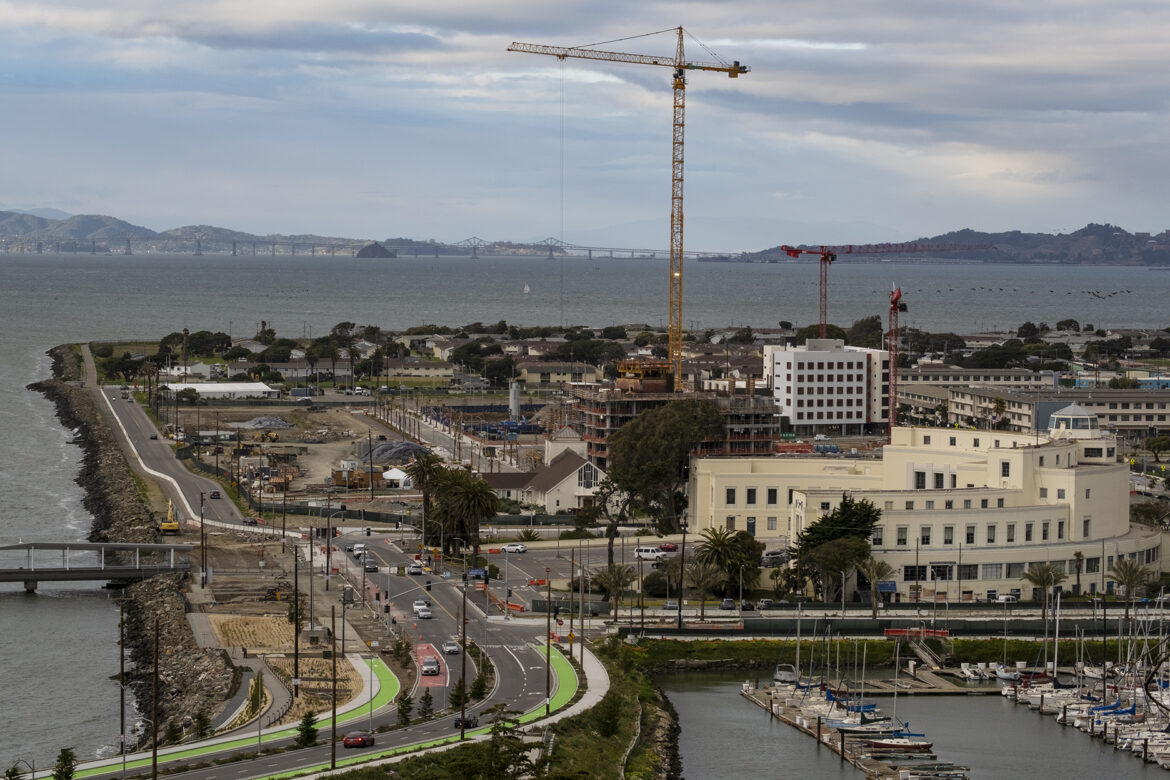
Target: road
514, 646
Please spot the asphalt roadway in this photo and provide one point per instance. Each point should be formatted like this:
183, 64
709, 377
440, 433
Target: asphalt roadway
515, 646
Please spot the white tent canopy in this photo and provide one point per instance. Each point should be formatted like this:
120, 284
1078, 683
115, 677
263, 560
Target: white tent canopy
396, 475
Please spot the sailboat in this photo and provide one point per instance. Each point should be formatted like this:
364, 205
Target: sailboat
527, 289
789, 674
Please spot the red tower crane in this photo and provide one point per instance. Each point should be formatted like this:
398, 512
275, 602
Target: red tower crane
828, 254
897, 305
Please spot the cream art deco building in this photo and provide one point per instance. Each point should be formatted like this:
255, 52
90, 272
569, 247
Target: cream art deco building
964, 512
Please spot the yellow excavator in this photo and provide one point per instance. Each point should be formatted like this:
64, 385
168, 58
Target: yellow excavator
170, 525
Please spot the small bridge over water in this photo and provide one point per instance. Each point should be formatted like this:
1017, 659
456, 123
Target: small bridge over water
78, 562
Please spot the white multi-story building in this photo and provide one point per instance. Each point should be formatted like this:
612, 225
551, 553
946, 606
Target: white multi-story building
826, 387
963, 512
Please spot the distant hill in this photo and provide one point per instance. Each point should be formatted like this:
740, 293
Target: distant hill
1093, 244
46, 213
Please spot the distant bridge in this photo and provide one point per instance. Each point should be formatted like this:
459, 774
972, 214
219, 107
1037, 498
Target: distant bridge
70, 568
198, 246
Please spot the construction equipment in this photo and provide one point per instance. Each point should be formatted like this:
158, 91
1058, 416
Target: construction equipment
897, 305
680, 65
828, 254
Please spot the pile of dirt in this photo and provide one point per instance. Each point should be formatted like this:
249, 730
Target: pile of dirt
265, 422
390, 451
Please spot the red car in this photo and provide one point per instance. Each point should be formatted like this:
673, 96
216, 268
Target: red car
668, 547
357, 739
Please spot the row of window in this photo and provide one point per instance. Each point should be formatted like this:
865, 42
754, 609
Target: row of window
824, 390
850, 415
954, 440
948, 503
749, 495
729, 523
1015, 570
1136, 418
840, 402
926, 533
939, 481
822, 365
821, 378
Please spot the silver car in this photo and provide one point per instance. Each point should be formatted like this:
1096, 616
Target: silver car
451, 647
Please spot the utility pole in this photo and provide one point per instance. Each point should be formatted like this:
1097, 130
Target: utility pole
154, 710
463, 659
202, 546
548, 642
333, 658
296, 623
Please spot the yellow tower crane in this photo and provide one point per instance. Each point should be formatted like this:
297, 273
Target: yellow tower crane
681, 66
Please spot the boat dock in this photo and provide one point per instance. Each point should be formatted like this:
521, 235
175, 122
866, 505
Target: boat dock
925, 682
878, 763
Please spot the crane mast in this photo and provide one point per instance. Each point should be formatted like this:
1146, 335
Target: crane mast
681, 66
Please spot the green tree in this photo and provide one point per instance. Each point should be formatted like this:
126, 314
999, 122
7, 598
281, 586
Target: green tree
612, 504
1068, 324
1157, 445
875, 571
174, 734
468, 501
202, 725
614, 333
506, 754
65, 765
704, 577
458, 696
735, 553
1131, 576
851, 517
608, 713
425, 471
13, 773
648, 456
613, 579
426, 705
866, 332
405, 708
1045, 577
307, 730
835, 559
479, 684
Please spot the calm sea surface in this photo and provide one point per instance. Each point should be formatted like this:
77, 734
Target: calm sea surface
58, 648
997, 739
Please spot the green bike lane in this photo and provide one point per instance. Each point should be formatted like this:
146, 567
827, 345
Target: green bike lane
566, 681
388, 688
566, 686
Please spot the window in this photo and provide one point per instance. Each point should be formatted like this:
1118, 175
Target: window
930, 505
1027, 532
730, 522
900, 535
992, 571
913, 573
888, 505
750, 496
949, 534
1088, 491
954, 481
1059, 529
924, 535
983, 503
920, 480
772, 496
970, 534
1011, 533
969, 571
1044, 531
1085, 526
938, 481
877, 536
926, 440
952, 441
1005, 468
1041, 461
790, 496
587, 476
966, 503
771, 524
1092, 565
941, 571
1043, 492
991, 534
948, 504
729, 497
1015, 571
976, 443
1093, 452
1060, 494
909, 505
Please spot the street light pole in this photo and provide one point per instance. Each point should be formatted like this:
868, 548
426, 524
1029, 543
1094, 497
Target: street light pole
681, 568
463, 658
548, 642
202, 546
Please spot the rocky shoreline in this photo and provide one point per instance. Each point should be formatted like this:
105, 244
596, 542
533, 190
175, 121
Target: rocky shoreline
191, 680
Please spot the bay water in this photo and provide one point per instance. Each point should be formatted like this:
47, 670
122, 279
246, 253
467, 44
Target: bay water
58, 648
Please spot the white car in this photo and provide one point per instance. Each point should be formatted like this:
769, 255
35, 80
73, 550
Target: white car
451, 647
423, 613
420, 603
515, 547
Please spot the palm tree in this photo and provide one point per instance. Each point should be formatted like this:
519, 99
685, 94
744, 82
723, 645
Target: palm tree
470, 501
614, 579
875, 571
1131, 576
1079, 558
719, 548
425, 471
704, 576
1044, 576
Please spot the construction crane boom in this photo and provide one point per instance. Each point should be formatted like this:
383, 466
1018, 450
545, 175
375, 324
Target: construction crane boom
897, 306
828, 255
680, 65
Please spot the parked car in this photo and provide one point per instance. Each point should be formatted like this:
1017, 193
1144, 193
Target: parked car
213, 494
470, 722
251, 521
764, 604
648, 553
515, 547
668, 547
357, 739
774, 558
153, 436
671, 605
451, 647
431, 666
727, 604
414, 568
371, 564
745, 606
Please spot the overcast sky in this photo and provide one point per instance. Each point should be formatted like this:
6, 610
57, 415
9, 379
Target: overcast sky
861, 120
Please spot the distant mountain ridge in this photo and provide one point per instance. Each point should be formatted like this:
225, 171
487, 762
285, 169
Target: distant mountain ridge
1093, 244
1103, 244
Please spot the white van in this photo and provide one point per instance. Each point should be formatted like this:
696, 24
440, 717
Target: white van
359, 550
649, 553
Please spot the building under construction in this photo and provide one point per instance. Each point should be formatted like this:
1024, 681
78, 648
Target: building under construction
751, 425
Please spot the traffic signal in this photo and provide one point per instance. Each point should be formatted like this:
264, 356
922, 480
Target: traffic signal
556, 610
509, 593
